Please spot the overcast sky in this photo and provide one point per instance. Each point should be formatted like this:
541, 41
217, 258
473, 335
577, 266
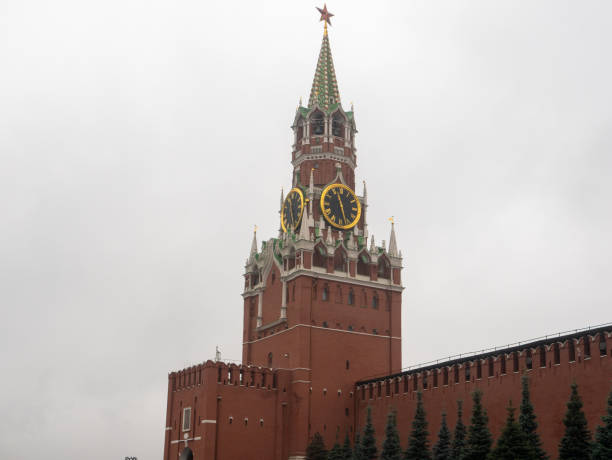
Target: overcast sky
140, 141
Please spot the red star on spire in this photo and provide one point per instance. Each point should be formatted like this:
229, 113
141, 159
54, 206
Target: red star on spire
325, 15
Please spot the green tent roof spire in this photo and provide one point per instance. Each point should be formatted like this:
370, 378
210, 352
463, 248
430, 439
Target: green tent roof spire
324, 86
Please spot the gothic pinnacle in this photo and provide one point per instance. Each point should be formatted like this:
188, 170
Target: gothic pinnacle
253, 246
392, 241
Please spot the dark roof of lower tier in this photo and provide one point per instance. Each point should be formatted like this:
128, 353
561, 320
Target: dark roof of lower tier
549, 339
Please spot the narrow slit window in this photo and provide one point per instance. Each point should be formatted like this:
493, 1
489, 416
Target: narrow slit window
491, 367
467, 372
445, 376
479, 369
435, 378
502, 363
456, 372
515, 361
603, 349
542, 356
557, 353
186, 419
415, 382
405, 384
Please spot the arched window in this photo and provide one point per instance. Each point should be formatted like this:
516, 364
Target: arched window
375, 301
338, 125
491, 367
325, 292
557, 353
384, 268
445, 376
456, 372
468, 368
270, 359
300, 131
503, 363
319, 258
340, 260
479, 369
317, 123
363, 264
351, 297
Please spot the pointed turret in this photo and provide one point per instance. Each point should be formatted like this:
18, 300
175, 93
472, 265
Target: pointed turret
253, 246
324, 90
392, 242
304, 230
372, 245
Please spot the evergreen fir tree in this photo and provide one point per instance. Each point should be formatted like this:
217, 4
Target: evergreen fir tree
512, 443
368, 440
418, 444
458, 447
442, 449
529, 426
479, 438
316, 448
357, 454
335, 453
602, 448
576, 444
391, 449
347, 452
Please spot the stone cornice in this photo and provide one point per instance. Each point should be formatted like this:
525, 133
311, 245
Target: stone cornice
323, 156
386, 284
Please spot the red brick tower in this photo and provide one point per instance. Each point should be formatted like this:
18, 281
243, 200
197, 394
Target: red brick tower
318, 300
322, 310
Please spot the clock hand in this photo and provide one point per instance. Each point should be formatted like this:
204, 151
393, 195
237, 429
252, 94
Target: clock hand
341, 208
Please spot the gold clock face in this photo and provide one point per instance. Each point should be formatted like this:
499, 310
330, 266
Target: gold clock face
340, 206
293, 208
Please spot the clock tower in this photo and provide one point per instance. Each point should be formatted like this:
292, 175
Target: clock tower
323, 299
321, 303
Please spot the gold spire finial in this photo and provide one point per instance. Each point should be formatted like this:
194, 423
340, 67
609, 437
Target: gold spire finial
392, 220
255, 229
325, 16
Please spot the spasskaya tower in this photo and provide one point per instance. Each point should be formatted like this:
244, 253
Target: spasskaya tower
322, 307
